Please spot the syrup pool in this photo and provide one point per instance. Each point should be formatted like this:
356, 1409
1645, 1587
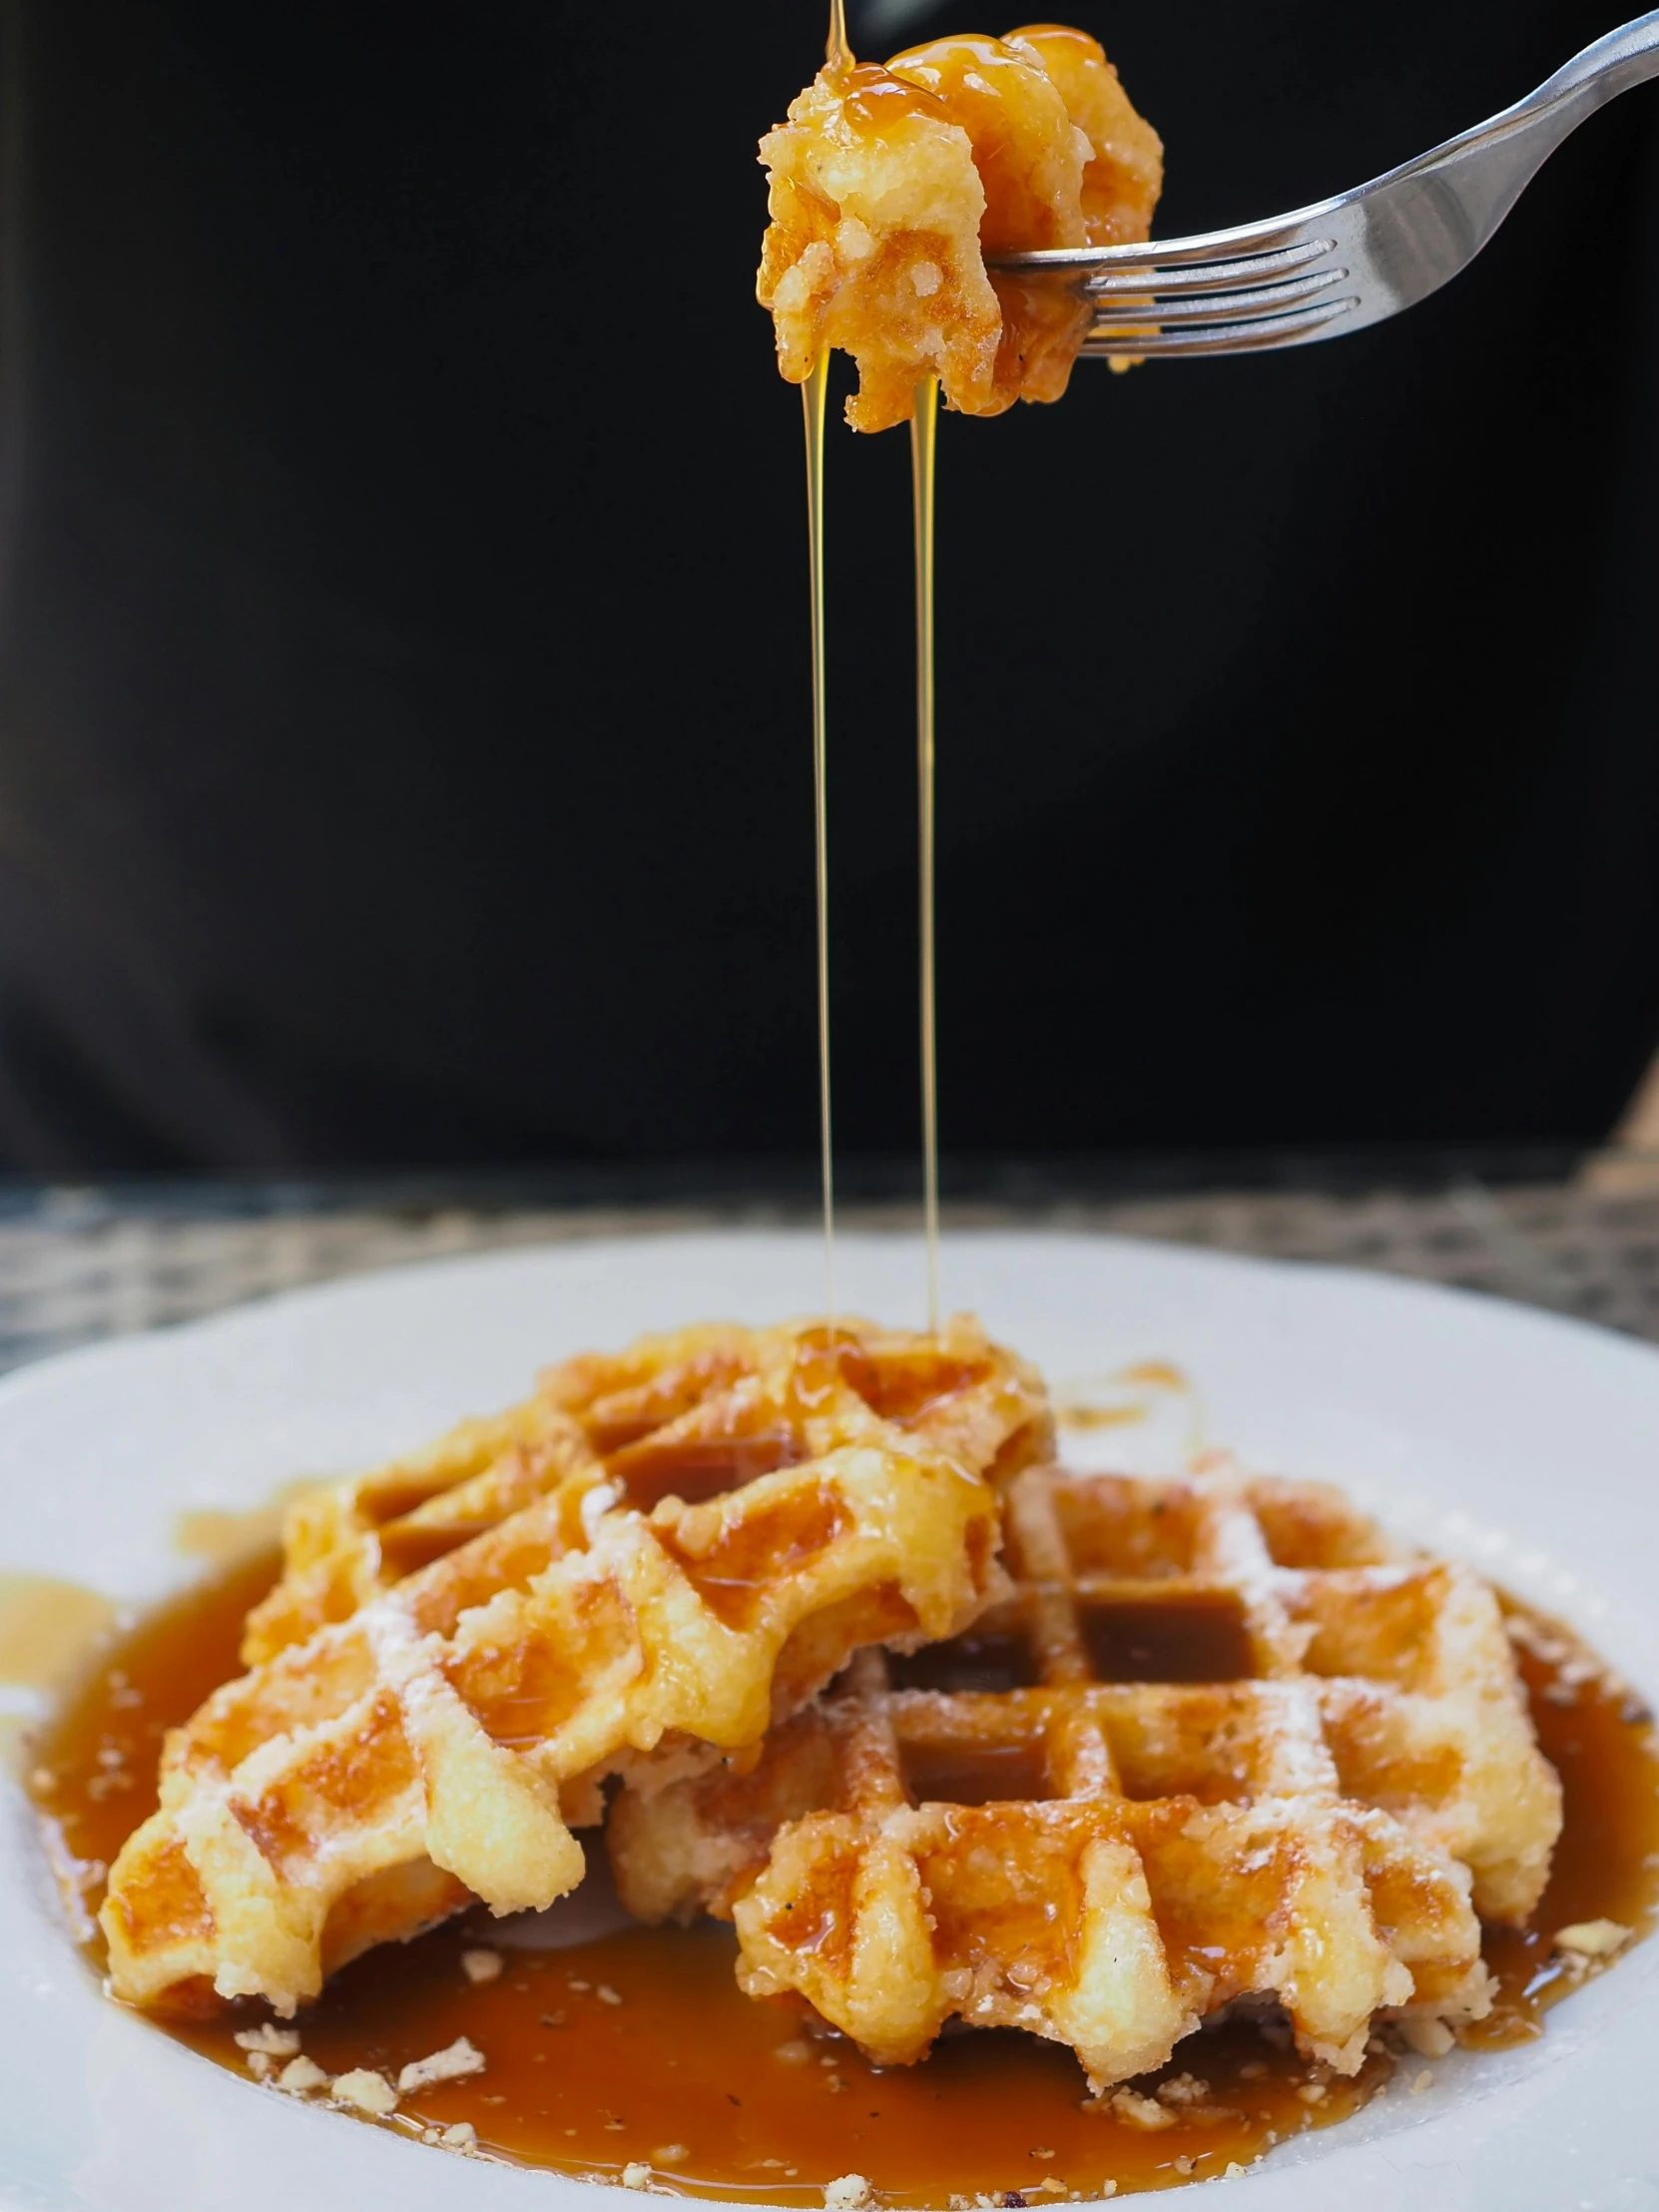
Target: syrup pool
635, 2047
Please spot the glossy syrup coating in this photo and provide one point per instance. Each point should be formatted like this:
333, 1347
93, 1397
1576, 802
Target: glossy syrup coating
1029, 157
1124, 172
883, 206
874, 245
1043, 321
757, 2099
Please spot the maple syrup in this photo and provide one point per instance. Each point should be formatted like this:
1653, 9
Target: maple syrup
923, 454
814, 393
47, 1627
870, 104
636, 2046
837, 54
924, 451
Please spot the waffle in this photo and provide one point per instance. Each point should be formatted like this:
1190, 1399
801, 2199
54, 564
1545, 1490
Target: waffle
890, 186
725, 1516
691, 1413
1220, 1745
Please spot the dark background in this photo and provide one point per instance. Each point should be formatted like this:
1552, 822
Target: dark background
404, 747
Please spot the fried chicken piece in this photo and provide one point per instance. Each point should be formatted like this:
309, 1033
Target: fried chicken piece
1030, 157
1125, 170
875, 246
1045, 322
888, 187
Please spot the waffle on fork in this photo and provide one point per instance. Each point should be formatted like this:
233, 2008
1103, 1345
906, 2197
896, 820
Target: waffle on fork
1220, 1745
723, 1517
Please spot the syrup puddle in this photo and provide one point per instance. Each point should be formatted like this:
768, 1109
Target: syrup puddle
218, 1537
48, 1629
1155, 1398
608, 2045
49, 1633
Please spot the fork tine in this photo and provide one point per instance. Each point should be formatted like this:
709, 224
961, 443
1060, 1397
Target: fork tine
1263, 302
1198, 277
1402, 235
1255, 243
1228, 338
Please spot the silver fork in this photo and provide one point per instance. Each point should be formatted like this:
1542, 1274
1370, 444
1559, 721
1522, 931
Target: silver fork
1350, 261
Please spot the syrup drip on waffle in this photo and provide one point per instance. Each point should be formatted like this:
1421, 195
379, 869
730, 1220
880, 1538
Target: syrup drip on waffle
837, 54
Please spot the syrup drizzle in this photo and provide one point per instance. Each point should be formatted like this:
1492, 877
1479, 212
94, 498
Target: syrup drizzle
923, 448
837, 62
813, 394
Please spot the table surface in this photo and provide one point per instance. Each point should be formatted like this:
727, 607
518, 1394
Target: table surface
80, 1265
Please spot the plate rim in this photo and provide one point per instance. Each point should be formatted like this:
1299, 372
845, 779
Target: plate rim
69, 1370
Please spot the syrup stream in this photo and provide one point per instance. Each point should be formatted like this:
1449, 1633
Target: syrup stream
924, 445
813, 394
923, 450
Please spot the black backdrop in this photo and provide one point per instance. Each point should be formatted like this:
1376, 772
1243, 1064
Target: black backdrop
403, 707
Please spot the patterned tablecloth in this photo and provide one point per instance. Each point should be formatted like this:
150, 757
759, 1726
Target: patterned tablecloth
80, 1265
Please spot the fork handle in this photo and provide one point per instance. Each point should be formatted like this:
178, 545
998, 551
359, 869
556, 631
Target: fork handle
1498, 160
1625, 57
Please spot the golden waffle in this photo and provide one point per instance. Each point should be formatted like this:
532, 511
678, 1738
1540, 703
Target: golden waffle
1220, 1745
439, 1741
890, 186
693, 1414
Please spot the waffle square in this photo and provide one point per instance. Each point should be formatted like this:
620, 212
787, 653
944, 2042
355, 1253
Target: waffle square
1220, 1744
656, 1560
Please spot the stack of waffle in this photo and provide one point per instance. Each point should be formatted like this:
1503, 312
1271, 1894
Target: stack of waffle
949, 1733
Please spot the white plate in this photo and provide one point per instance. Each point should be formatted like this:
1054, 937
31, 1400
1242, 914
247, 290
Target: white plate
1528, 1444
